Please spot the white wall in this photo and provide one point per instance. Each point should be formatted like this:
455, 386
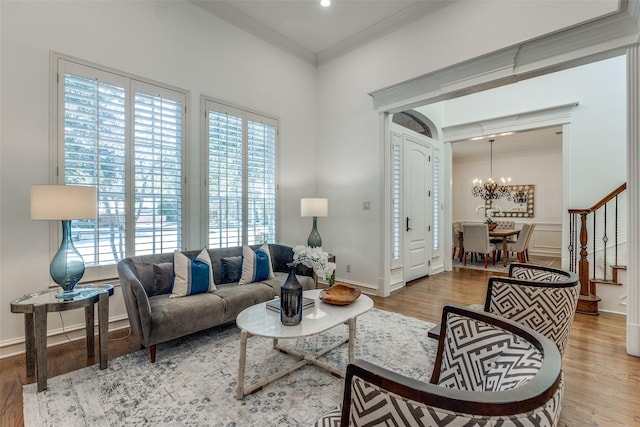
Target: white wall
171, 42
331, 140
350, 142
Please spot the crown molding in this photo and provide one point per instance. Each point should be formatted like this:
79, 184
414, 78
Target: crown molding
603, 38
379, 29
226, 11
243, 21
525, 120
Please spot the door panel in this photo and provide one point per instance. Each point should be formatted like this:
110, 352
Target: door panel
417, 207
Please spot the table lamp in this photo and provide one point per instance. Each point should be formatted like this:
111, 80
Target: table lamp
64, 203
315, 208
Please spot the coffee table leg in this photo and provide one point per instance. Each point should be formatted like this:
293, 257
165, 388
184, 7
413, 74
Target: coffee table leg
244, 335
352, 338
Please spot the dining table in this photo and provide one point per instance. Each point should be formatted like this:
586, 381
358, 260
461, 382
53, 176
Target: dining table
502, 233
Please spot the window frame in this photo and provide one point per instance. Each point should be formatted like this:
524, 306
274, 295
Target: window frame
246, 114
57, 64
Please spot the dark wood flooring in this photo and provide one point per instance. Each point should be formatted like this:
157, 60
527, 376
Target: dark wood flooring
602, 381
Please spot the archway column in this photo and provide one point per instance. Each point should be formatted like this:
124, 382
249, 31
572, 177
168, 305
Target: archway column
633, 189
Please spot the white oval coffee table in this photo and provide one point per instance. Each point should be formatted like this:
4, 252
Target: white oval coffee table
260, 321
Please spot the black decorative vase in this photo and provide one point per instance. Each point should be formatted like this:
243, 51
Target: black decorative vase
291, 300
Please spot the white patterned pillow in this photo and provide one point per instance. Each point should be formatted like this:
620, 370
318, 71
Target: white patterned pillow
256, 266
192, 276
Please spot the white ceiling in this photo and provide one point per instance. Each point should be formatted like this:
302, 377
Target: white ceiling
539, 140
315, 33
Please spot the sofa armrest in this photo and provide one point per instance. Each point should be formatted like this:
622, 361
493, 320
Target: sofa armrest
136, 301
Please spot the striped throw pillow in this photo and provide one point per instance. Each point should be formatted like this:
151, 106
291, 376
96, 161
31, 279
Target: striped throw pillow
256, 266
192, 276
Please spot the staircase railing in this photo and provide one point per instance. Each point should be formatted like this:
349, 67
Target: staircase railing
598, 219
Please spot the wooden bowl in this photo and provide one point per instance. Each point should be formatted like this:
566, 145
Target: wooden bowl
340, 294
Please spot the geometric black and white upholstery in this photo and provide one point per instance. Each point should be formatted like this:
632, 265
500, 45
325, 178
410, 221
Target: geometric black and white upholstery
488, 371
542, 298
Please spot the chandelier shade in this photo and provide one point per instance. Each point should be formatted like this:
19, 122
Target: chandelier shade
490, 189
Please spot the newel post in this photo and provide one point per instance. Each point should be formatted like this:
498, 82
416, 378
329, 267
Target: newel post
588, 301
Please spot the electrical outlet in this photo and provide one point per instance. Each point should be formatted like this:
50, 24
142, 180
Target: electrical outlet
348, 268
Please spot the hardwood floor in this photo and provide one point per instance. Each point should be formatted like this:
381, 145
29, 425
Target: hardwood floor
602, 381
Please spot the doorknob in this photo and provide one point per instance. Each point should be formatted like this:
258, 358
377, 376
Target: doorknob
408, 228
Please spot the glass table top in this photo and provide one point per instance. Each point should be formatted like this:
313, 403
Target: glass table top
48, 296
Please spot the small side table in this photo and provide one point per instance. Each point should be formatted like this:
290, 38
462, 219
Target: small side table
35, 308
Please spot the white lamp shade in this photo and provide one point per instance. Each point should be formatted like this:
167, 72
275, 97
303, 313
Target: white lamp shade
63, 202
314, 207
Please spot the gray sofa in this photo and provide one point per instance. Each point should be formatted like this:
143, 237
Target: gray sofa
156, 318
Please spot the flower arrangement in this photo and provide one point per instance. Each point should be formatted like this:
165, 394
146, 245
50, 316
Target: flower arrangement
315, 258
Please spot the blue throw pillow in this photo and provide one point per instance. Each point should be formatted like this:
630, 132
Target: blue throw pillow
192, 276
256, 266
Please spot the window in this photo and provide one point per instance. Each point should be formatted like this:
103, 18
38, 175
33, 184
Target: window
241, 176
412, 119
124, 136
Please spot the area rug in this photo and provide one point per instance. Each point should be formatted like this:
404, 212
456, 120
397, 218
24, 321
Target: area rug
193, 382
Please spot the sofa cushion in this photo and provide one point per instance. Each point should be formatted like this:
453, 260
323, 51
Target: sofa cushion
192, 276
172, 318
307, 282
236, 297
256, 265
231, 269
162, 278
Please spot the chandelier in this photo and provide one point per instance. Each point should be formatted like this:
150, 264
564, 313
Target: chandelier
490, 189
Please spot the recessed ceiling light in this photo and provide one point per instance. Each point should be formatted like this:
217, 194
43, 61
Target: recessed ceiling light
325, 3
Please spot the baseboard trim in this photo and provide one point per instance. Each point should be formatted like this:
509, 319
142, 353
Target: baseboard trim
56, 337
633, 339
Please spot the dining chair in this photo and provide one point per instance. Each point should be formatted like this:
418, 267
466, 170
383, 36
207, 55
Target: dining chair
503, 225
526, 244
519, 245
476, 240
457, 239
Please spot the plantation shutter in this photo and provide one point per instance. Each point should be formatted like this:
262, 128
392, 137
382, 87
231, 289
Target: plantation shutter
436, 202
261, 188
225, 136
93, 153
241, 180
123, 136
396, 188
157, 169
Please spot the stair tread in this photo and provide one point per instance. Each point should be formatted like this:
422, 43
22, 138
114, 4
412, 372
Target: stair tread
605, 282
589, 298
619, 267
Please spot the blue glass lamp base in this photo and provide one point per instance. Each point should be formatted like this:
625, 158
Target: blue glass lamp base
67, 266
314, 240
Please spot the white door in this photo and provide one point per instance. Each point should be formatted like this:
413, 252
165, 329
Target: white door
417, 207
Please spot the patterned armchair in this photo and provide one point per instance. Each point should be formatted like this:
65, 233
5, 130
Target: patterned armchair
542, 298
488, 371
